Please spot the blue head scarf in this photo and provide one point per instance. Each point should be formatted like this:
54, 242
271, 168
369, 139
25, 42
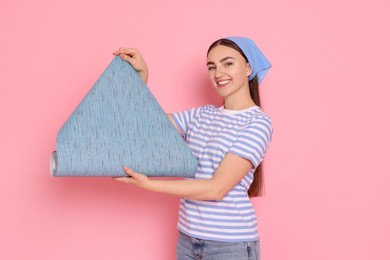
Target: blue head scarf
258, 62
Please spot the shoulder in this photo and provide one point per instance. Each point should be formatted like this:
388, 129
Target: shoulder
258, 115
255, 116
195, 113
207, 109
259, 120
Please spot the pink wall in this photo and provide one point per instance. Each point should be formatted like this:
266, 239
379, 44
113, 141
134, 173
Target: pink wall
327, 173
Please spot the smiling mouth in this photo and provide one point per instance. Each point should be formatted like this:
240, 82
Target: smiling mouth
223, 82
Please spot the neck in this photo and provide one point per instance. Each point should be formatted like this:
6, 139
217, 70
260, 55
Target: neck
239, 101
232, 105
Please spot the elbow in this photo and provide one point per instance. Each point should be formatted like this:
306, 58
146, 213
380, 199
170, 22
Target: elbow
211, 190
217, 190
218, 197
217, 194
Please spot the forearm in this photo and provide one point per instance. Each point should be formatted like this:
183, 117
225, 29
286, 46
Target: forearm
229, 173
189, 189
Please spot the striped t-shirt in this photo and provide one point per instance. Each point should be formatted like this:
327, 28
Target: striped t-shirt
211, 132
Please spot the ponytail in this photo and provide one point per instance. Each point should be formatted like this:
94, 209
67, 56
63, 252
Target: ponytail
256, 188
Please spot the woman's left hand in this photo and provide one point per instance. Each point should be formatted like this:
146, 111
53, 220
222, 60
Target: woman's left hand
135, 178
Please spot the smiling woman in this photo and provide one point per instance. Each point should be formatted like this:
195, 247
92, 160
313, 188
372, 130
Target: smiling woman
216, 216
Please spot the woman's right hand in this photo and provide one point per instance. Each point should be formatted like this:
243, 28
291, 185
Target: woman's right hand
133, 56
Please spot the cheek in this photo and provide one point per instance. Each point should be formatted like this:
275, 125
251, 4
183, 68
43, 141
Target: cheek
211, 77
243, 73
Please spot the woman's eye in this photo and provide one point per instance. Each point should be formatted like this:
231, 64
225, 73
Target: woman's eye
211, 68
227, 64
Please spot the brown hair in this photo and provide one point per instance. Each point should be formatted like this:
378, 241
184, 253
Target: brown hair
256, 187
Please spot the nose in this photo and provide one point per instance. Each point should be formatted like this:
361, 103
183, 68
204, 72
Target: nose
219, 71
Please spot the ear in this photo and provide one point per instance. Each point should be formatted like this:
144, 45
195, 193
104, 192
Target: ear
249, 70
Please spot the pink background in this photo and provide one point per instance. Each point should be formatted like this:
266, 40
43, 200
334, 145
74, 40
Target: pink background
327, 173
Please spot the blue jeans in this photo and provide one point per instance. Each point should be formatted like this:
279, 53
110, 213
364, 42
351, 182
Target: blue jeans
193, 248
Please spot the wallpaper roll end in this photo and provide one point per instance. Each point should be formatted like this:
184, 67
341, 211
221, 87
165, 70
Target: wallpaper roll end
53, 163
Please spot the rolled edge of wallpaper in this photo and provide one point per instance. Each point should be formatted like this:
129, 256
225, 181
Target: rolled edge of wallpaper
53, 163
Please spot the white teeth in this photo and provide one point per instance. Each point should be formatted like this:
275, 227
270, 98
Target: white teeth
223, 82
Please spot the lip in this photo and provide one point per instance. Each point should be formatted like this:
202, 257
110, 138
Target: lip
222, 82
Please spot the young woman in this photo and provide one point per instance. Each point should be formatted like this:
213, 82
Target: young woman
216, 216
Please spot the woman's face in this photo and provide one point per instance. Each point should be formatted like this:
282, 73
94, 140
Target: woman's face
228, 71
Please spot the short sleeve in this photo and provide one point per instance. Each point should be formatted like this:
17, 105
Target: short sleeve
184, 118
253, 141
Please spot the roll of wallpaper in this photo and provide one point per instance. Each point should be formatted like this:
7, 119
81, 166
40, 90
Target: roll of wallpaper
120, 123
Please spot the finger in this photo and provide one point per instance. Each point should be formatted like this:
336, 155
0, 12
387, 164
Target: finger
125, 180
134, 176
127, 58
130, 59
118, 52
128, 171
128, 51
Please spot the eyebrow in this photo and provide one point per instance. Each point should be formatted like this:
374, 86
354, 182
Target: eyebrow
222, 60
